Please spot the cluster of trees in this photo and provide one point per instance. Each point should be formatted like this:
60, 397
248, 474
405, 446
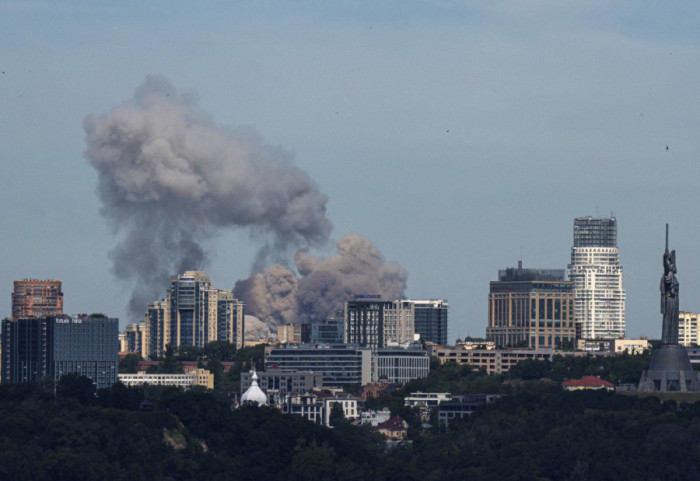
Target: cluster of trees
537, 432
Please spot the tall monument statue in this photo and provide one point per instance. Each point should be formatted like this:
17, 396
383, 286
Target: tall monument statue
670, 369
669, 297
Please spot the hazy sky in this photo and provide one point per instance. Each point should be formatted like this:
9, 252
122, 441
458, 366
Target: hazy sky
459, 136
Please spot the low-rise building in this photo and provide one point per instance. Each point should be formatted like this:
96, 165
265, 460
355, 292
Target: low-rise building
283, 382
398, 365
461, 406
631, 346
195, 377
494, 361
426, 399
316, 406
394, 428
375, 418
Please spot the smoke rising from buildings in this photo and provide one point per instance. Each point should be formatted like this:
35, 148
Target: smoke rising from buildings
170, 178
276, 296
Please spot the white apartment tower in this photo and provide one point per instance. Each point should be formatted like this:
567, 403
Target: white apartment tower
596, 273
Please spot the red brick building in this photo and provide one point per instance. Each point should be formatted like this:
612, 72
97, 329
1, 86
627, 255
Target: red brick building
37, 298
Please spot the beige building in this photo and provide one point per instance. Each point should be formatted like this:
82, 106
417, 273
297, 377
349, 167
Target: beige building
688, 328
531, 308
631, 346
289, 333
494, 361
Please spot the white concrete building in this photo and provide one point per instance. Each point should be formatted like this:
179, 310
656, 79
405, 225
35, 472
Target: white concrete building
595, 270
196, 377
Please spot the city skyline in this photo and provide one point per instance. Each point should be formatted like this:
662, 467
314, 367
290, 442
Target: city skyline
459, 137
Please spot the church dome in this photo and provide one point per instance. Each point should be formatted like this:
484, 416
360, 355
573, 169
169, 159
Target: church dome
254, 394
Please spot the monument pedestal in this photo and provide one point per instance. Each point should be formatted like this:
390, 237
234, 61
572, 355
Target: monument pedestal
669, 371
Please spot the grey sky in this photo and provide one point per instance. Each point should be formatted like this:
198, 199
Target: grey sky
457, 136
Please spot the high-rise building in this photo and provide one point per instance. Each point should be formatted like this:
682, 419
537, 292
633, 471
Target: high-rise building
57, 345
375, 323
430, 318
157, 331
596, 273
230, 317
37, 298
531, 308
191, 309
194, 313
25, 349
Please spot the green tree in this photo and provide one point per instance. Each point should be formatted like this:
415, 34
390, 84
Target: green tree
76, 386
337, 415
129, 363
171, 363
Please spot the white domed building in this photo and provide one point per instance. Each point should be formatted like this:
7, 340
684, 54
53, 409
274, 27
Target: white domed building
254, 394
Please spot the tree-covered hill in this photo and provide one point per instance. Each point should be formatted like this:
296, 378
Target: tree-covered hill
535, 432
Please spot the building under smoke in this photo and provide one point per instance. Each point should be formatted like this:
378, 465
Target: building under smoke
170, 179
194, 313
277, 296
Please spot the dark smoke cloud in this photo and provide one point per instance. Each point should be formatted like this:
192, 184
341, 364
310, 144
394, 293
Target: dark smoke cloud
170, 178
277, 296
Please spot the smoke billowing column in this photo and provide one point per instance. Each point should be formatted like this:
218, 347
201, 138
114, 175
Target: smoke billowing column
170, 178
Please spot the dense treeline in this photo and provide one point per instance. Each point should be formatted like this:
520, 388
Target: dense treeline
188, 435
536, 431
544, 433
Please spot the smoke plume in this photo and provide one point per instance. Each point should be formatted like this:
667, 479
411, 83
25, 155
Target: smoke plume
276, 296
169, 178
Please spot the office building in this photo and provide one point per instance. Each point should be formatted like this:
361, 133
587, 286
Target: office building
397, 365
283, 382
58, 345
329, 331
37, 298
25, 349
345, 364
596, 274
340, 365
430, 319
531, 308
374, 323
